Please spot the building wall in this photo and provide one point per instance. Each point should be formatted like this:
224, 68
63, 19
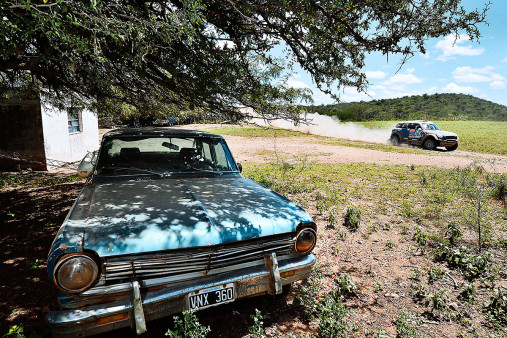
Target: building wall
21, 136
63, 146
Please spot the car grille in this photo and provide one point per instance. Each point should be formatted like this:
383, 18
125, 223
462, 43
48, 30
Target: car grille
450, 138
180, 265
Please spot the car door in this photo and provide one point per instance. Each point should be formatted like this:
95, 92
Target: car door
404, 132
415, 133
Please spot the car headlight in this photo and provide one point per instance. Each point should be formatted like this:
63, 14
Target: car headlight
305, 241
75, 273
440, 136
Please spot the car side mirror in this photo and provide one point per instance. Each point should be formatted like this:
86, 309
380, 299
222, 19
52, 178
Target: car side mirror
87, 165
240, 167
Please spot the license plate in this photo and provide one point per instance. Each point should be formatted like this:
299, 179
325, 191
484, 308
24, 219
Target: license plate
213, 296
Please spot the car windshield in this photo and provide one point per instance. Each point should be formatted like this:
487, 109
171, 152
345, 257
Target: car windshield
163, 155
430, 126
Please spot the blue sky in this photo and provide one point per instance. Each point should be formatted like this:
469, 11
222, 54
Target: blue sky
479, 69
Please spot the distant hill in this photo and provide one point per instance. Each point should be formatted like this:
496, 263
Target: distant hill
427, 107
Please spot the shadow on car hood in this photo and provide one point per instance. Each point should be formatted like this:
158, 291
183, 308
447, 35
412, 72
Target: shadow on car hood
151, 215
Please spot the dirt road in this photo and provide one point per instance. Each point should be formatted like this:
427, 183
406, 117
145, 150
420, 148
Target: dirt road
262, 149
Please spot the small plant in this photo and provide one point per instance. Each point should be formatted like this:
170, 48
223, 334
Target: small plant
257, 329
333, 318
497, 309
467, 293
390, 244
416, 274
346, 286
309, 294
407, 325
419, 291
188, 327
420, 237
462, 258
378, 287
352, 218
434, 274
454, 233
404, 229
342, 235
386, 227
332, 218
437, 299
407, 210
16, 331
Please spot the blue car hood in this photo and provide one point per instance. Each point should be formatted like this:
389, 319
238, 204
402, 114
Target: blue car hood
127, 217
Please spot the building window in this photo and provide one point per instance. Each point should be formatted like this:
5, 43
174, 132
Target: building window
74, 120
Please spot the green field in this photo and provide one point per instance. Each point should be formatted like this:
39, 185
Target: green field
478, 136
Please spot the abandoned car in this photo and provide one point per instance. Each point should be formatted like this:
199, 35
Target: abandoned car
166, 223
423, 133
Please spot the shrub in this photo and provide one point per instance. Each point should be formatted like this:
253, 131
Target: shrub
454, 233
467, 294
257, 330
462, 258
309, 294
352, 218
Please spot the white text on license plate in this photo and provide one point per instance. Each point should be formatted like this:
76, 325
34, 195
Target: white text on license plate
215, 295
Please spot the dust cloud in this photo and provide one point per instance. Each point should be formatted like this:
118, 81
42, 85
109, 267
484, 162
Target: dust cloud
332, 127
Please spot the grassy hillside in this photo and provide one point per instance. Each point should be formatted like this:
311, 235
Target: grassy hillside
429, 107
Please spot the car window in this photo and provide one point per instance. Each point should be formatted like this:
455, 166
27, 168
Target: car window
404, 125
431, 126
134, 155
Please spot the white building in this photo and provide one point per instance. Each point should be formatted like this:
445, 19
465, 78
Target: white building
39, 136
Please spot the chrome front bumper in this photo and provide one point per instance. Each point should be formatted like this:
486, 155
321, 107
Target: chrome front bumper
149, 305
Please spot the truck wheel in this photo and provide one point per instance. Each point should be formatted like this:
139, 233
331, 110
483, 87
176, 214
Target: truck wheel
429, 144
395, 140
451, 148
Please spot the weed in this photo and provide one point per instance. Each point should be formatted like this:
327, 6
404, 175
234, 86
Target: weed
390, 244
188, 327
15, 331
386, 227
420, 238
342, 235
499, 187
404, 229
497, 309
257, 329
419, 291
352, 218
416, 274
462, 258
467, 293
434, 274
309, 294
332, 219
407, 325
437, 299
333, 318
454, 233
345, 286
378, 287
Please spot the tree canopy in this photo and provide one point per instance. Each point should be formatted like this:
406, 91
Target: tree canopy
212, 55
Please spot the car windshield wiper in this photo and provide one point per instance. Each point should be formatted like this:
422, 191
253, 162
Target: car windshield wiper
205, 171
147, 171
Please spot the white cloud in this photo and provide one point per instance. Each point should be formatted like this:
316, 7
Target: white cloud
226, 43
454, 88
377, 74
468, 74
497, 85
291, 83
401, 81
450, 48
504, 60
